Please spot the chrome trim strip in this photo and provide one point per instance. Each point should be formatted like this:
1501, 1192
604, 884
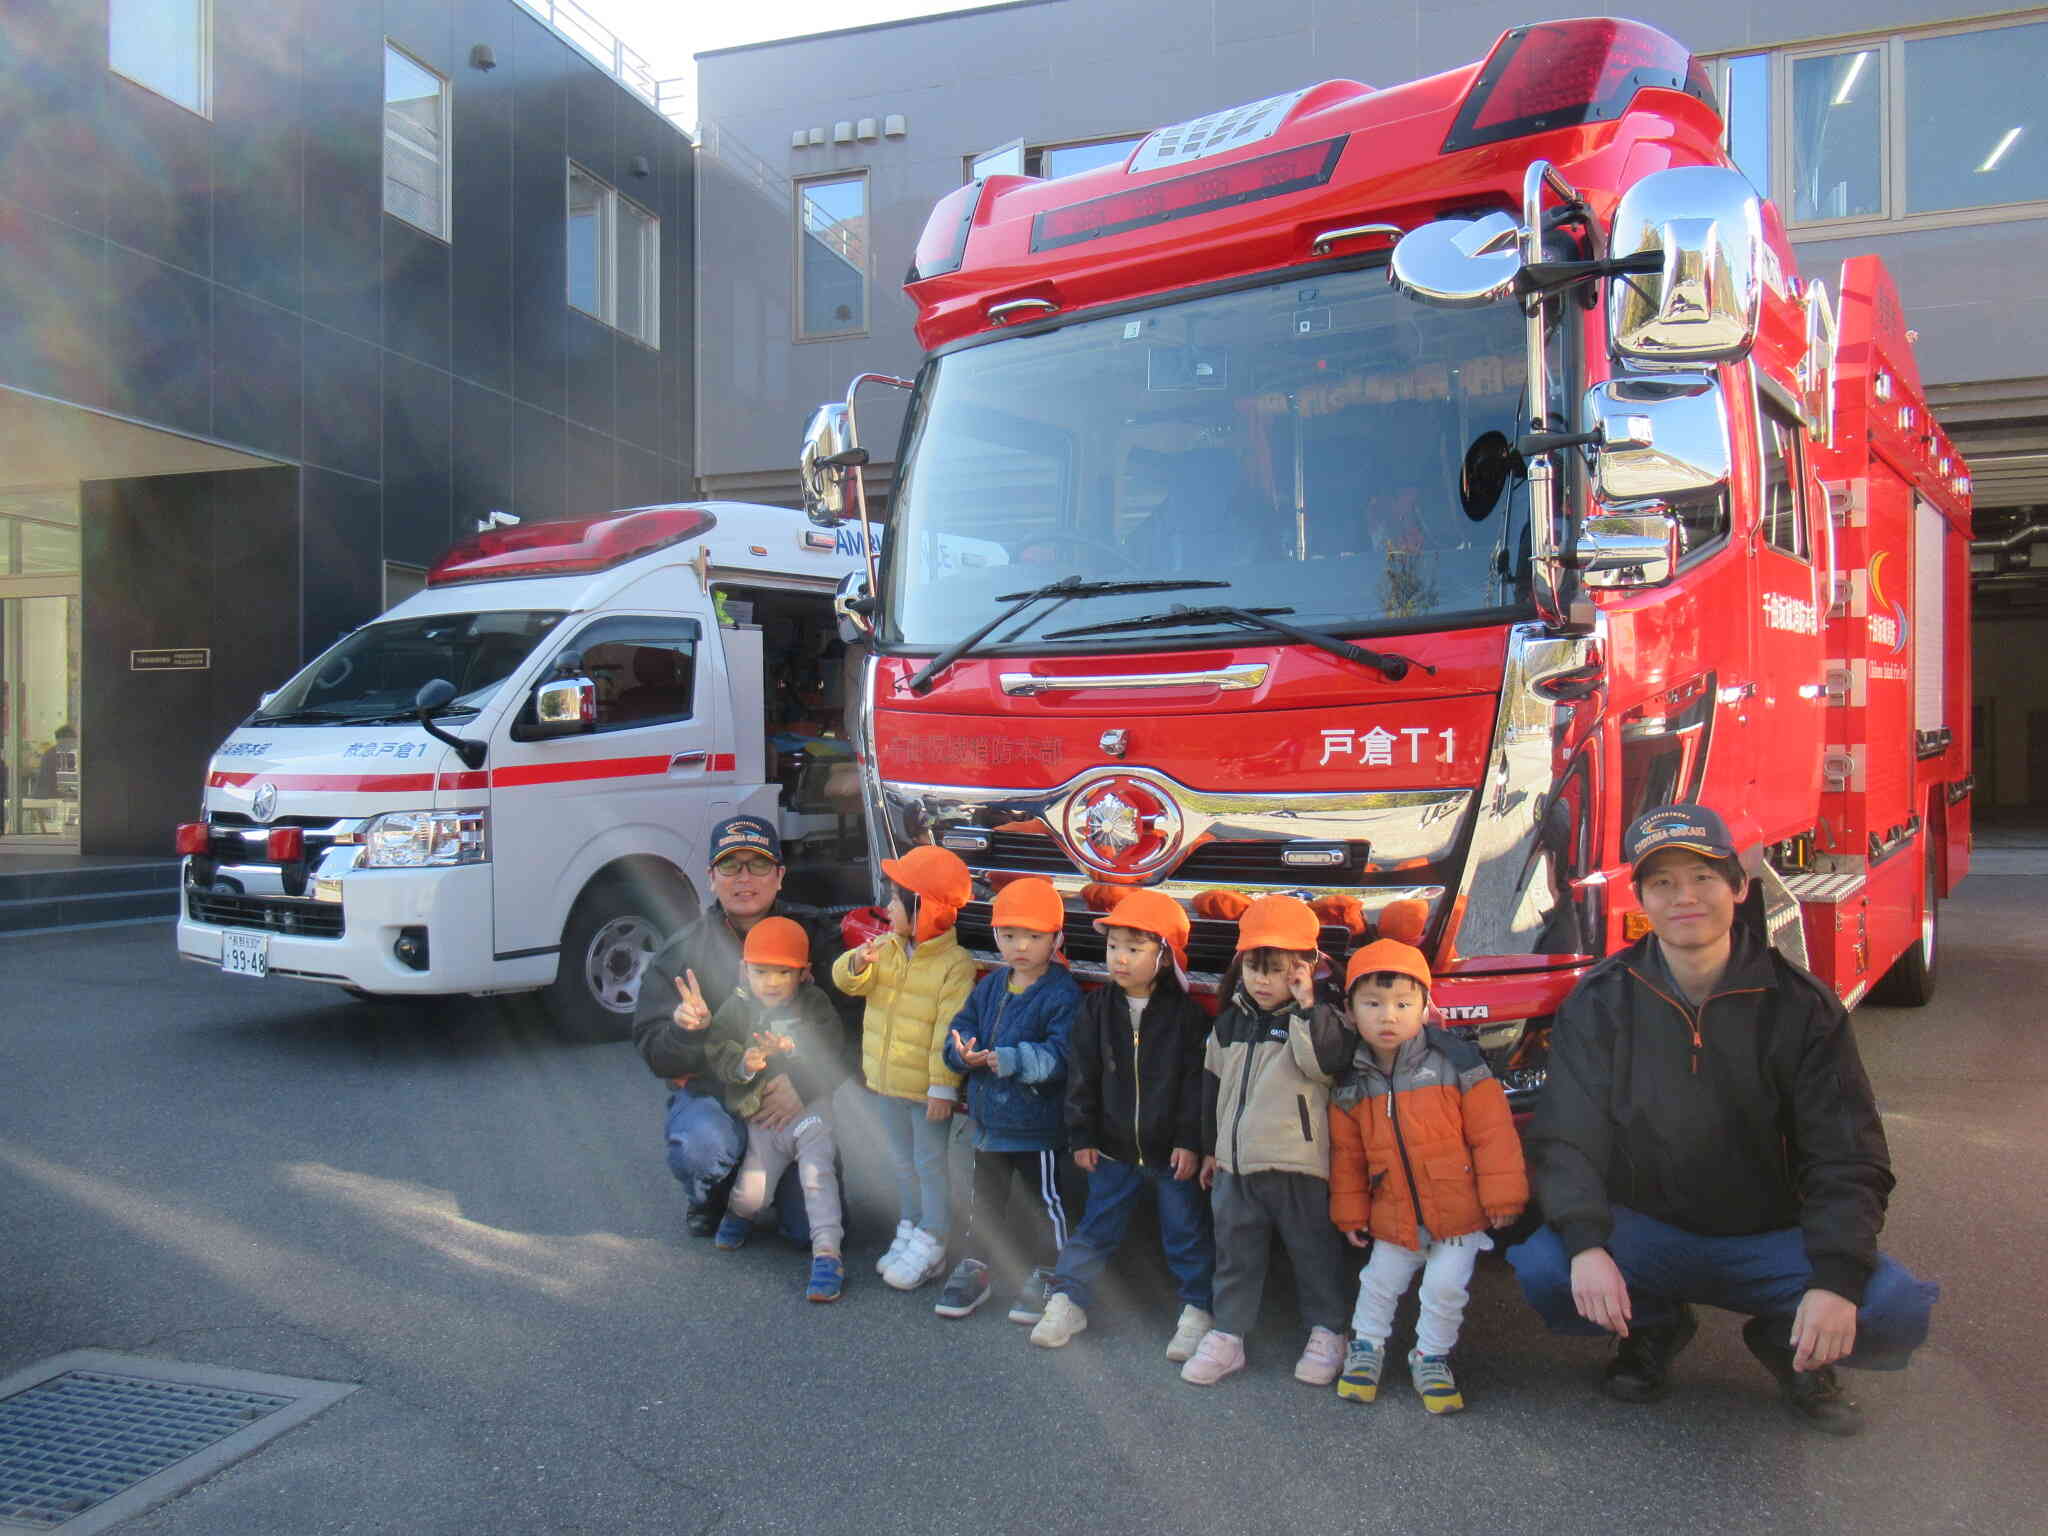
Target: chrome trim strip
1245, 674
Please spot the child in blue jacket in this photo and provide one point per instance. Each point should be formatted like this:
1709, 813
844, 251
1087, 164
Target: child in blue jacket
1010, 1042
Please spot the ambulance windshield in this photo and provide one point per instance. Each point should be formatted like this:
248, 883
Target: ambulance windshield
1305, 442
373, 675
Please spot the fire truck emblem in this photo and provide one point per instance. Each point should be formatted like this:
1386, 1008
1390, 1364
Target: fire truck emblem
1122, 826
264, 805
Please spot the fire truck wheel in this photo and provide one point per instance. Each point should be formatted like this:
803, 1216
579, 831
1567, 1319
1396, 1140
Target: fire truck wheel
1910, 981
609, 938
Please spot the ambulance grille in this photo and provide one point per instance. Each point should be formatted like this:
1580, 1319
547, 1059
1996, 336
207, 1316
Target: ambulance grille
270, 914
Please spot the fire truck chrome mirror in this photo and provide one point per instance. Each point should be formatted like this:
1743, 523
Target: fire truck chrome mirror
828, 436
854, 608
1658, 438
1459, 263
1704, 306
1627, 549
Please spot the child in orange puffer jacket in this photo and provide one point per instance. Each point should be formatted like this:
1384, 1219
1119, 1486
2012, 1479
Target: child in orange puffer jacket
1424, 1158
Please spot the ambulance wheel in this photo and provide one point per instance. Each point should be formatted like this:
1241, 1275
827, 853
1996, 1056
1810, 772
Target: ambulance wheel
1910, 981
606, 944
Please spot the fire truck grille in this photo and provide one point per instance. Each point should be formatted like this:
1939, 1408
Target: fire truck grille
1211, 943
272, 914
1249, 863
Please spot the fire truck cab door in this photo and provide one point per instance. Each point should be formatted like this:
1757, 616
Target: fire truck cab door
1786, 700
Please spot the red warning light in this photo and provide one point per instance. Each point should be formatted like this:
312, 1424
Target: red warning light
1559, 74
566, 548
1226, 186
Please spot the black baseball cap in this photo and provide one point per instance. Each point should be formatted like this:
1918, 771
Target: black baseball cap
1691, 827
744, 834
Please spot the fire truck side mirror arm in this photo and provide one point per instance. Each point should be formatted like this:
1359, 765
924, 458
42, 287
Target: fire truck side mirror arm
854, 607
1703, 302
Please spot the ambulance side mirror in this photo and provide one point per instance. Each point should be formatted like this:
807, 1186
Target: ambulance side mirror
1703, 303
565, 703
829, 451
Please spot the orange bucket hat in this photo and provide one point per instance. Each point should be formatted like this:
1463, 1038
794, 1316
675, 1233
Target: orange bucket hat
1279, 922
777, 941
1152, 912
940, 881
1031, 904
1390, 956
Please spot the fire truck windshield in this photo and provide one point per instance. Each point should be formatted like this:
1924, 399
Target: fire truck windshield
373, 674
1303, 441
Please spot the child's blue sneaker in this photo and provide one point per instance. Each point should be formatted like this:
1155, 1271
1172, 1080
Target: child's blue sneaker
733, 1232
828, 1278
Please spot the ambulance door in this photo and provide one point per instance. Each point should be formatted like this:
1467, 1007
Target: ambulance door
564, 807
1789, 669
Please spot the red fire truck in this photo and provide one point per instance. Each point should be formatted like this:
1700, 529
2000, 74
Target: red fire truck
1386, 494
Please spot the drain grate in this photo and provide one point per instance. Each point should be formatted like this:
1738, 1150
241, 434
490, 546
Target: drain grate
80, 1438
91, 1438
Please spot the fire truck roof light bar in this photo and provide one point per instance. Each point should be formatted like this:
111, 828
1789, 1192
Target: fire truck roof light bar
943, 245
1560, 74
1224, 186
567, 548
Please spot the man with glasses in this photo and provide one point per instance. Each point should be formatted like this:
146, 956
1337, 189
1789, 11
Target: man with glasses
705, 1141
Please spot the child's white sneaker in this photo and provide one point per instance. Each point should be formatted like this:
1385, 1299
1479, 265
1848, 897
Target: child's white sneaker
1062, 1320
895, 1249
1187, 1334
1322, 1359
923, 1259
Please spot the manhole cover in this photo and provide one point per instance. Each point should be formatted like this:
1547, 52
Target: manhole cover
91, 1438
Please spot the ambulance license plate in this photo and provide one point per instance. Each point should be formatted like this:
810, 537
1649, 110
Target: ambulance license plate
245, 954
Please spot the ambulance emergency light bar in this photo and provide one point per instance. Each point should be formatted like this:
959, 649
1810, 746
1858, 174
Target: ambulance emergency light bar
567, 548
1560, 74
1223, 186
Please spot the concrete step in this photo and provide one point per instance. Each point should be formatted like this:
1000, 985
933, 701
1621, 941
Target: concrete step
87, 879
31, 914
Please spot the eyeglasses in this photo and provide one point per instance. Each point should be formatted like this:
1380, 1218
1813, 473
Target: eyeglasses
760, 869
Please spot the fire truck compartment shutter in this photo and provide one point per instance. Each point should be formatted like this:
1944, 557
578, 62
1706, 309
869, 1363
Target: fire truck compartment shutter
1704, 306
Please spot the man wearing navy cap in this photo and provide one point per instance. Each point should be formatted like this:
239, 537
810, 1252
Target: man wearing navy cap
1707, 1135
705, 1141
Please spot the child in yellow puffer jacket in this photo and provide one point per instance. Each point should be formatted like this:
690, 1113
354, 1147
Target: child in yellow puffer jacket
916, 978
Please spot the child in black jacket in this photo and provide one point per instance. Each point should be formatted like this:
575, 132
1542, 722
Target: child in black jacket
1134, 1119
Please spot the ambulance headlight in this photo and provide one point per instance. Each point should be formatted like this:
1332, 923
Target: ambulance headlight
419, 839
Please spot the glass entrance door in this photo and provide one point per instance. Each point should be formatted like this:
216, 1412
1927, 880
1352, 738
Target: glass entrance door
41, 755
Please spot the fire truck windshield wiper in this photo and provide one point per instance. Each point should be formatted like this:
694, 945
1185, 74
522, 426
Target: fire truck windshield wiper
1393, 668
1065, 588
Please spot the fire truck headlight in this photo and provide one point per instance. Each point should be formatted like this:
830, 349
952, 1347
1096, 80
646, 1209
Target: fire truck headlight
419, 839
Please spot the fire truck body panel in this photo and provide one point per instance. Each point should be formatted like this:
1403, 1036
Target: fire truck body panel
1192, 369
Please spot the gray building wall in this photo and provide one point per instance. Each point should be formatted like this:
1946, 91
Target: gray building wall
1060, 70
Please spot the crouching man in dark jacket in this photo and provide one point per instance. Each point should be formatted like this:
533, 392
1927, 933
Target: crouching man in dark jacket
1707, 1135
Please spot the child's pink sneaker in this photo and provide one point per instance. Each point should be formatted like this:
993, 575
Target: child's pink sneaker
1322, 1359
1215, 1358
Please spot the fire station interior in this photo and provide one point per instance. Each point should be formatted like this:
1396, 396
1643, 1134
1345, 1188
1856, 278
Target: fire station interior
2002, 431
806, 671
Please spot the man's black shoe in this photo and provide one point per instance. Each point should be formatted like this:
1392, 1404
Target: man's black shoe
1642, 1362
702, 1220
1816, 1398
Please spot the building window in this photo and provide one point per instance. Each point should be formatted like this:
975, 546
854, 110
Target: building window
614, 258
832, 256
1931, 127
166, 46
1051, 160
415, 143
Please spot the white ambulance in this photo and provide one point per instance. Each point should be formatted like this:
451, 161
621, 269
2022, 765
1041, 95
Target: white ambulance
507, 782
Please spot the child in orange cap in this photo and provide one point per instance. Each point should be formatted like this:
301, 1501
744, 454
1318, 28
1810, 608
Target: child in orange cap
778, 1023
1010, 1041
1265, 1117
1415, 1097
916, 978
1134, 1118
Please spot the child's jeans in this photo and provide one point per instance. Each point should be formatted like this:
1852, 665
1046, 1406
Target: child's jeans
1113, 1188
1446, 1265
808, 1142
917, 1152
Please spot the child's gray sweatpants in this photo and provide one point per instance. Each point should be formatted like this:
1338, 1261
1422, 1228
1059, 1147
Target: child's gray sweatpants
808, 1142
1249, 1208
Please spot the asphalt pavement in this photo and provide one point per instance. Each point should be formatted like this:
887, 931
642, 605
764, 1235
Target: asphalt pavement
472, 1219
